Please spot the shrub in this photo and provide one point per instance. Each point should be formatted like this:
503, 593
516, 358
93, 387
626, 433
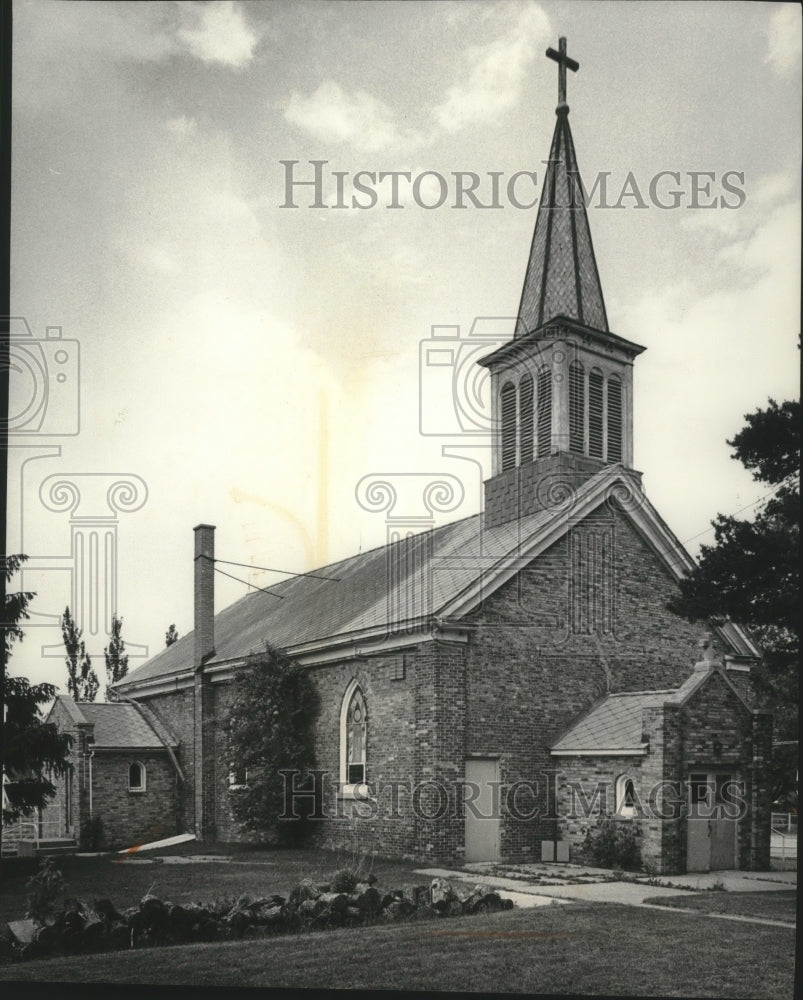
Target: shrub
43, 888
344, 880
614, 844
92, 834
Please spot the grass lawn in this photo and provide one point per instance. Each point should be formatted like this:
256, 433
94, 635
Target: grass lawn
252, 870
593, 949
781, 905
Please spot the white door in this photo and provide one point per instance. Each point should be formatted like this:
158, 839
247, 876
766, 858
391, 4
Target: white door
481, 804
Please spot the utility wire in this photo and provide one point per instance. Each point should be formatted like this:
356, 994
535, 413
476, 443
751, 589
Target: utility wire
267, 569
249, 585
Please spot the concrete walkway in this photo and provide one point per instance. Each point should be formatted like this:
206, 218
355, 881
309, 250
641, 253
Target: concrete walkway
592, 892
734, 881
537, 893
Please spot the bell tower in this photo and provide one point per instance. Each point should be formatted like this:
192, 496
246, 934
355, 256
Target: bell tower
562, 389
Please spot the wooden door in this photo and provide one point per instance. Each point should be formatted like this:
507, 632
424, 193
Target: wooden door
711, 826
723, 826
482, 809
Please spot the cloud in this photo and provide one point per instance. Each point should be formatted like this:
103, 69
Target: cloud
218, 33
495, 71
784, 43
331, 114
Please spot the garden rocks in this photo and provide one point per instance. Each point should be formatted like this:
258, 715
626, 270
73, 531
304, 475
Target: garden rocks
154, 922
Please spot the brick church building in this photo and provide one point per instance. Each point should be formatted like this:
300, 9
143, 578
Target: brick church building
492, 688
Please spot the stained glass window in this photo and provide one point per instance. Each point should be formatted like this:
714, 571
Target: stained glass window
356, 739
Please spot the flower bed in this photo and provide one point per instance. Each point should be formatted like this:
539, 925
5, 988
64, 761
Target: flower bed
80, 928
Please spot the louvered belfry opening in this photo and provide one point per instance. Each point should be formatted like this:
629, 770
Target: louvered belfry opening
562, 387
508, 426
526, 419
577, 401
544, 412
595, 440
614, 419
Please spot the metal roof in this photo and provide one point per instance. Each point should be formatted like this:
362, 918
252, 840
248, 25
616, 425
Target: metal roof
408, 580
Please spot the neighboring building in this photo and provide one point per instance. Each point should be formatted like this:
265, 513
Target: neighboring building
121, 786
530, 644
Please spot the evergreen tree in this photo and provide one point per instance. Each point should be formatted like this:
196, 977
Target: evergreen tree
115, 654
32, 751
82, 681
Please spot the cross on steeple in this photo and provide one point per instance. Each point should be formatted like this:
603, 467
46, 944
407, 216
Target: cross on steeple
563, 61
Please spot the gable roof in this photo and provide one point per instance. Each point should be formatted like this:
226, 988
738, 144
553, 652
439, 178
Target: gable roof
117, 725
435, 577
615, 723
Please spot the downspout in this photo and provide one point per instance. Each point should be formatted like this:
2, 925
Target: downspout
90, 754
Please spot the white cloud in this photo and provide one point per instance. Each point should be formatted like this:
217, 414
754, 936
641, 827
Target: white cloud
784, 40
217, 33
331, 114
495, 71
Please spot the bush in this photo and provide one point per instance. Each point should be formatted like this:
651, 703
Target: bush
92, 834
614, 844
43, 888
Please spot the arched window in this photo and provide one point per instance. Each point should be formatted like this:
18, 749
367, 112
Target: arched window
614, 419
353, 737
625, 796
136, 777
577, 407
595, 413
508, 426
526, 419
544, 412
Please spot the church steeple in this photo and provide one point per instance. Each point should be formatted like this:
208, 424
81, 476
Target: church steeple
562, 389
562, 277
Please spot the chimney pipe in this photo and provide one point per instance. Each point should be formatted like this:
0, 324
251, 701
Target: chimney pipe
204, 583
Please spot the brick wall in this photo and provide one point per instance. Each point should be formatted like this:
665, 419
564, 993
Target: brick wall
535, 485
523, 645
176, 710
133, 817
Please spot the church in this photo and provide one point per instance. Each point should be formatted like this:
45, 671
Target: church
495, 688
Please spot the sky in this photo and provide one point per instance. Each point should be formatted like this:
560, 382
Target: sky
227, 358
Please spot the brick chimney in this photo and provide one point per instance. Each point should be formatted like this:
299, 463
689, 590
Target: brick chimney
204, 582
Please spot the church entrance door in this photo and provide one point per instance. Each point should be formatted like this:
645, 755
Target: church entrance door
712, 822
482, 808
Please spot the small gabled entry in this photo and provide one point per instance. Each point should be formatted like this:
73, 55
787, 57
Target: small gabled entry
712, 824
482, 809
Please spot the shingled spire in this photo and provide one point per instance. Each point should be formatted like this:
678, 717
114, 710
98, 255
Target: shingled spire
562, 277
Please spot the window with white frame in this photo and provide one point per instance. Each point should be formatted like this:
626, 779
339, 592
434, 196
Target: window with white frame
625, 796
136, 777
